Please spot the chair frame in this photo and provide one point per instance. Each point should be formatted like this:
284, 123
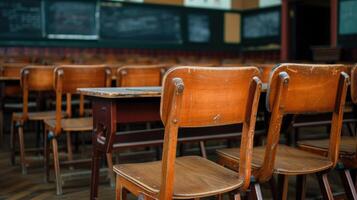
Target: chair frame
33, 84
62, 87
277, 103
172, 103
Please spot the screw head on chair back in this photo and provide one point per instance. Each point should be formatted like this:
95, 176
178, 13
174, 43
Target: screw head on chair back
204, 96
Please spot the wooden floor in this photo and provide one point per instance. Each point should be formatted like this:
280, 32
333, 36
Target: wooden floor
14, 185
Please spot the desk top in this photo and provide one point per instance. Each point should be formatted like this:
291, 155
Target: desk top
5, 78
121, 92
127, 92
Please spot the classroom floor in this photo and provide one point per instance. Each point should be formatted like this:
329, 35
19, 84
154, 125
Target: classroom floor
14, 185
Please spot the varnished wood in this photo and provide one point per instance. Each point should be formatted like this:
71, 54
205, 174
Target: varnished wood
287, 155
121, 92
187, 101
67, 78
140, 75
347, 149
33, 79
204, 178
72, 124
293, 89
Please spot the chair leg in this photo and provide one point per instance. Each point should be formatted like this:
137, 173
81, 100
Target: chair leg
57, 166
348, 184
69, 148
350, 129
237, 196
255, 192
324, 185
111, 174
283, 186
46, 155
1, 127
38, 133
22, 148
118, 189
181, 149
203, 149
13, 142
274, 192
300, 187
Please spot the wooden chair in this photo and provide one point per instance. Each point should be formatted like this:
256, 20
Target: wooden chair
323, 120
297, 89
67, 79
348, 147
196, 97
9, 88
140, 75
136, 76
33, 79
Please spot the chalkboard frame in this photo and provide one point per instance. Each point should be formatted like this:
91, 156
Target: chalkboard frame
262, 40
216, 43
344, 40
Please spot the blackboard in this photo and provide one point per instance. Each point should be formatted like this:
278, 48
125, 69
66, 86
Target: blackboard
128, 22
262, 24
21, 19
348, 17
198, 28
71, 19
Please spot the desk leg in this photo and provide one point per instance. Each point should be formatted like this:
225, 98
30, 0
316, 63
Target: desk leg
95, 173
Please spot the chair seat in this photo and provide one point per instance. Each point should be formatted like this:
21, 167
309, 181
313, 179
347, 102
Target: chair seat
348, 147
73, 124
194, 177
37, 115
289, 160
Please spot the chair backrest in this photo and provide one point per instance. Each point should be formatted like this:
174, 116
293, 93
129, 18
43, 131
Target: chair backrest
12, 70
203, 97
304, 89
70, 77
354, 84
140, 75
35, 78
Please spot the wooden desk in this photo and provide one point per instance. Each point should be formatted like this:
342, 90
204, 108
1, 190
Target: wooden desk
127, 105
13, 81
117, 105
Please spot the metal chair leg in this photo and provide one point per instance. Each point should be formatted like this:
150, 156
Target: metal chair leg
22, 148
324, 185
57, 166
